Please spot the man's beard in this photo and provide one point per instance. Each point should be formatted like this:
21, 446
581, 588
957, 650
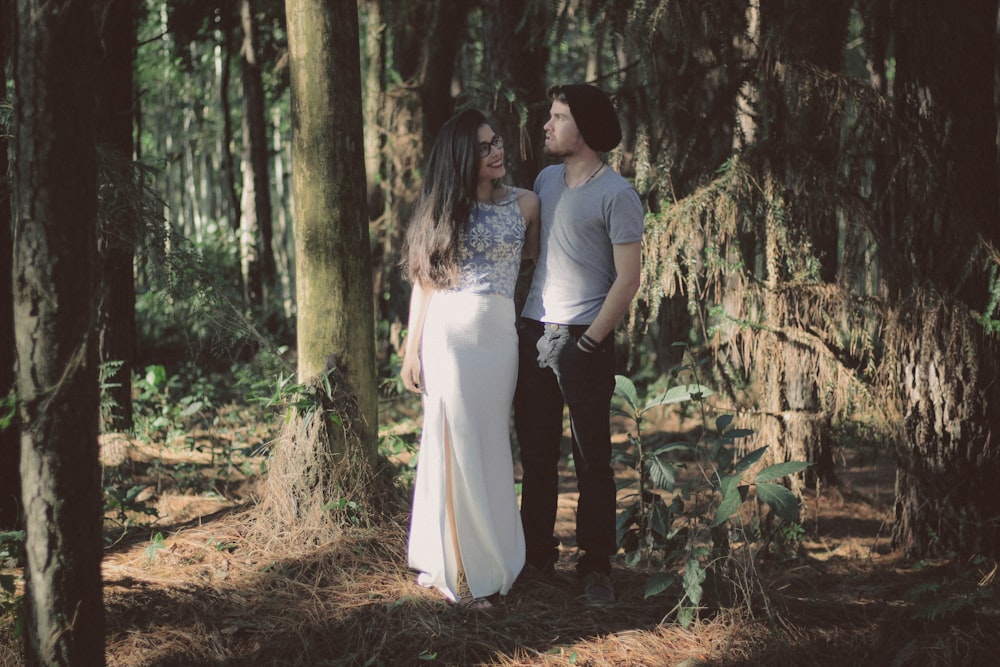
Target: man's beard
553, 152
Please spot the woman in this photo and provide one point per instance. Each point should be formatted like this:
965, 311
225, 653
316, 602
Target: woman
463, 251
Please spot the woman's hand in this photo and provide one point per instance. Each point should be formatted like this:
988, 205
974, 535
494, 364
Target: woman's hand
411, 372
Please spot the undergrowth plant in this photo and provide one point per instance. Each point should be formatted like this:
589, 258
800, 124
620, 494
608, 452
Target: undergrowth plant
686, 530
11, 544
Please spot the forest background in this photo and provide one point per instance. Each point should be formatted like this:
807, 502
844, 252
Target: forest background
821, 257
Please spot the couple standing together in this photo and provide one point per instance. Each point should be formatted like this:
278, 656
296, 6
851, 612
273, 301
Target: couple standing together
472, 359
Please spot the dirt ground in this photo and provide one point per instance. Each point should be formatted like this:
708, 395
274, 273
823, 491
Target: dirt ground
208, 585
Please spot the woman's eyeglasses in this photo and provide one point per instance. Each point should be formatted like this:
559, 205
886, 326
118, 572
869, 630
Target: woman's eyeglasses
486, 147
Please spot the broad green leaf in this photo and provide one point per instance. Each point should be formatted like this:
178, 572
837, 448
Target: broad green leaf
779, 470
680, 394
624, 483
694, 576
625, 519
662, 473
732, 498
621, 413
673, 447
194, 407
722, 422
660, 518
727, 483
747, 461
658, 582
156, 375
738, 433
783, 501
625, 388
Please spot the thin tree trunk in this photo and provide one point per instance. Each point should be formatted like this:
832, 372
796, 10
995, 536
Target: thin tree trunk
10, 479
116, 307
425, 46
228, 164
55, 280
257, 227
374, 102
513, 44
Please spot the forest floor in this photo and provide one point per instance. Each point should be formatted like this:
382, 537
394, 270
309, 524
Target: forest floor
206, 585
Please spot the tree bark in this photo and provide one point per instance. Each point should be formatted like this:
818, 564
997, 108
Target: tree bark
426, 38
55, 280
798, 138
10, 447
257, 228
514, 42
120, 216
944, 366
333, 258
228, 164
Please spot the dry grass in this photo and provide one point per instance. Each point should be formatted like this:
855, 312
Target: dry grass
223, 589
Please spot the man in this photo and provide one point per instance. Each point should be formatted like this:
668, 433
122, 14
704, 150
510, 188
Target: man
586, 277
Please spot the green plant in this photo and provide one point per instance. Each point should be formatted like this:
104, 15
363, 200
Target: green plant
348, 509
123, 502
648, 523
687, 528
155, 546
946, 599
11, 544
106, 372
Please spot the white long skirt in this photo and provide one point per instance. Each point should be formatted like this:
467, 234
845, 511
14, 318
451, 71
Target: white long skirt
465, 522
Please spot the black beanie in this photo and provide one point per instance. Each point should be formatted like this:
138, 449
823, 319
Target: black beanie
594, 114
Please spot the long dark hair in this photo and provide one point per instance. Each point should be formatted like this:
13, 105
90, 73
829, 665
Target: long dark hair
432, 246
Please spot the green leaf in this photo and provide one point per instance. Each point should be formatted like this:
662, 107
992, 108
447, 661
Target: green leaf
156, 375
625, 519
658, 582
747, 461
680, 394
154, 546
722, 422
133, 493
673, 447
191, 409
780, 470
660, 518
685, 616
732, 498
783, 501
694, 576
625, 388
662, 473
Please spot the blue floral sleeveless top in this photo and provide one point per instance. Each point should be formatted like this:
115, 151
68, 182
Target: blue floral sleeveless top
491, 248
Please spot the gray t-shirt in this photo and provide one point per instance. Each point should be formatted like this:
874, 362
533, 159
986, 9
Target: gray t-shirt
576, 263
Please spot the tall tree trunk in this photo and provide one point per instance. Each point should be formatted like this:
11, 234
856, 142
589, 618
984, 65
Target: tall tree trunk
335, 325
116, 242
514, 42
10, 479
257, 228
800, 38
55, 279
374, 101
944, 366
228, 165
426, 38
